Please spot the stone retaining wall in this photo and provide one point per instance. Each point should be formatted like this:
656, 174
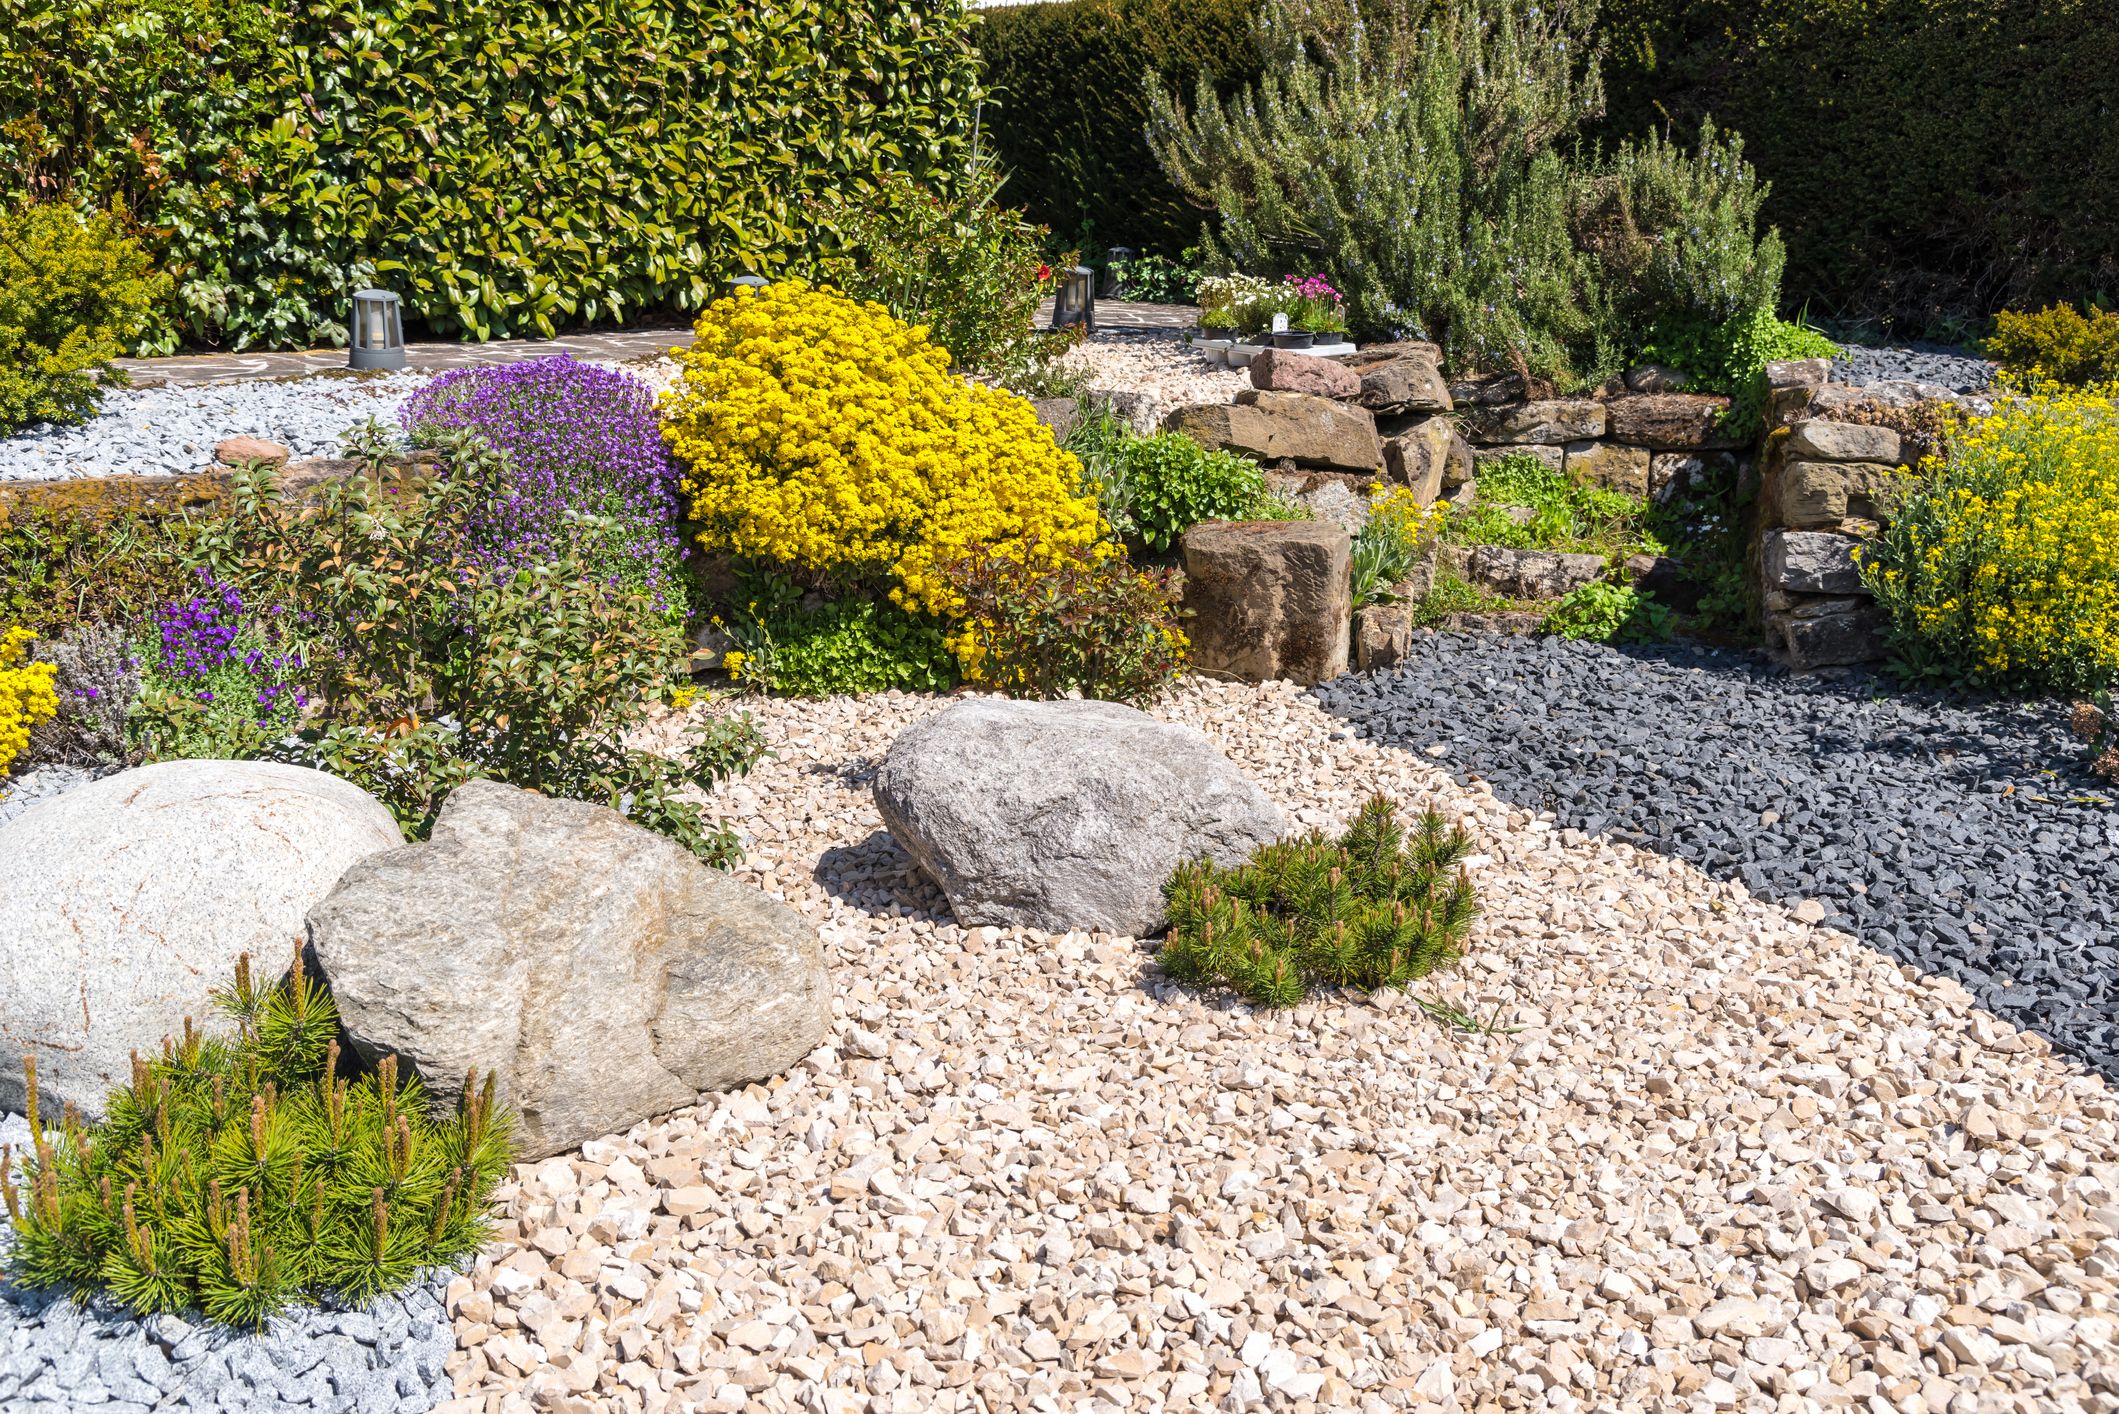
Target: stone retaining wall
1833, 464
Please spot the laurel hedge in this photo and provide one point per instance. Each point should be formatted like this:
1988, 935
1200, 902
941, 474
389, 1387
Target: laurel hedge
511, 167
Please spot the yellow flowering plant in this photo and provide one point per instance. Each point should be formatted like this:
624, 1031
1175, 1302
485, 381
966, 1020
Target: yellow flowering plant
28, 694
828, 439
2002, 566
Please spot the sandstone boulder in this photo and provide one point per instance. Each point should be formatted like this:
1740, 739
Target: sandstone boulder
1430, 457
1551, 454
233, 451
1383, 636
598, 968
1611, 465
1817, 440
1530, 574
125, 901
1406, 382
1058, 414
1790, 384
1655, 378
1554, 422
1297, 427
1064, 815
1674, 422
1811, 562
1823, 633
1268, 599
1287, 371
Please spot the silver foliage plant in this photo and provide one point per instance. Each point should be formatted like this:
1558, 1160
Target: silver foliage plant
1427, 156
98, 682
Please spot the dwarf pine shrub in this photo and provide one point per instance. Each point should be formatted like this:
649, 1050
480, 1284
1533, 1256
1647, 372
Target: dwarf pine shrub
236, 1176
1380, 906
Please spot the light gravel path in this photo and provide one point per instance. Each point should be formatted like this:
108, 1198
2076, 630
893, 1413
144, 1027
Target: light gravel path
1717, 1159
1147, 374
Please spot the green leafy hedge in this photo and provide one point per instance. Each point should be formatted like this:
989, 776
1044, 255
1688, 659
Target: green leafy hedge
1069, 108
1929, 159
511, 168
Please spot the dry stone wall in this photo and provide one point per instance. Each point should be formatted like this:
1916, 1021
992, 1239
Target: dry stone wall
1833, 464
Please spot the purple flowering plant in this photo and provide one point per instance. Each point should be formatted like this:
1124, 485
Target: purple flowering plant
1314, 304
588, 467
216, 682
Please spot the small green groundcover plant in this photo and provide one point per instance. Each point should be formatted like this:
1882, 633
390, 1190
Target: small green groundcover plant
238, 1176
1381, 906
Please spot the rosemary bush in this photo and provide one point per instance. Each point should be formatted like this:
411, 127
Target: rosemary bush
1378, 907
237, 1176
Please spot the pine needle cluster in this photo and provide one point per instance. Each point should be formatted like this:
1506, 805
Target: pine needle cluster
1380, 906
238, 1175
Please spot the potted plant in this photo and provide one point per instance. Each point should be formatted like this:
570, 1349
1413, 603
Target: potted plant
1219, 318
1316, 309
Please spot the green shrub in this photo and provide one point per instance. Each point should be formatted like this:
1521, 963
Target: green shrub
1416, 166
1731, 357
1453, 594
236, 1176
61, 566
1170, 483
2058, 344
1069, 108
1380, 906
832, 647
2001, 568
1565, 515
426, 671
1609, 613
75, 293
1091, 624
508, 167
962, 264
1158, 279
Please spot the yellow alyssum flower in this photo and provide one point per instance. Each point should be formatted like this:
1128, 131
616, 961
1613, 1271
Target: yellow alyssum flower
822, 434
28, 694
2003, 563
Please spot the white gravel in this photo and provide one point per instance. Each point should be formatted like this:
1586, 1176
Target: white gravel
1717, 1158
173, 429
1148, 374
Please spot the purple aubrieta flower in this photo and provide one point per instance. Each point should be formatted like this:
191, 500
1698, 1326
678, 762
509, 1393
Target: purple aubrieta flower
581, 441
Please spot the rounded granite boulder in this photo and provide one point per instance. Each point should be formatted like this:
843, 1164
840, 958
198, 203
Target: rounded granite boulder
126, 901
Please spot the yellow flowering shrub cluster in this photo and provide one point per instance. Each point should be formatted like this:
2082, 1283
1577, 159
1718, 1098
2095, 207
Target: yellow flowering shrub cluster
28, 694
824, 436
2002, 567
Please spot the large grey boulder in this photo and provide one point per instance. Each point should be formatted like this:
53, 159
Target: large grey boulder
1063, 815
126, 901
598, 968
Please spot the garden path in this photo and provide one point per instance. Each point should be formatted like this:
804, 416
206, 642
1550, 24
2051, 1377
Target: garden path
613, 346
1712, 1156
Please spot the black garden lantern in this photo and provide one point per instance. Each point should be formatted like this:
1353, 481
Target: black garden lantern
1074, 300
747, 282
376, 333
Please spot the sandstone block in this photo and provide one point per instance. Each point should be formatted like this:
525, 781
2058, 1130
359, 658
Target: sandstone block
1817, 440
1553, 423
1612, 465
1269, 599
1287, 371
